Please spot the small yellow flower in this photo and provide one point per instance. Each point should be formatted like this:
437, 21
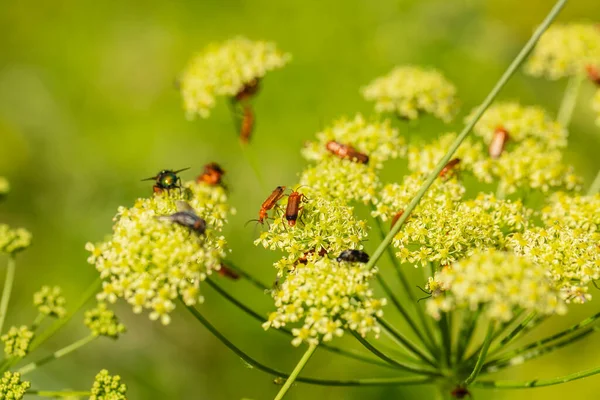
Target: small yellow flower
410, 91
49, 301
13, 240
103, 322
17, 341
11, 386
107, 387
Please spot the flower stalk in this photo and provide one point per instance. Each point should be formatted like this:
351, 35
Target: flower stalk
299, 367
57, 354
8, 284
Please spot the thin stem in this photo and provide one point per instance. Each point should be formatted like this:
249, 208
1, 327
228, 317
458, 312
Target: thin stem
48, 393
299, 367
569, 100
466, 333
444, 325
595, 188
57, 354
516, 63
403, 341
8, 284
257, 283
324, 382
407, 367
481, 357
343, 352
515, 333
536, 382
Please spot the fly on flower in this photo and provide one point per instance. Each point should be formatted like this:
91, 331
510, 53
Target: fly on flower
353, 256
166, 180
293, 207
268, 204
346, 151
498, 142
186, 217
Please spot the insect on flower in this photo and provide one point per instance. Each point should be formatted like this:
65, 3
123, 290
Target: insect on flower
498, 142
345, 151
593, 74
249, 90
353, 256
396, 218
268, 204
186, 217
449, 168
212, 175
229, 273
166, 180
247, 124
304, 258
293, 207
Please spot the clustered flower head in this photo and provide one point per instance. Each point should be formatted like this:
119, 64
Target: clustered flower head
565, 50
225, 69
573, 211
498, 281
16, 341
4, 186
11, 386
150, 260
13, 240
107, 387
326, 297
410, 91
521, 123
50, 301
570, 257
323, 227
344, 178
103, 322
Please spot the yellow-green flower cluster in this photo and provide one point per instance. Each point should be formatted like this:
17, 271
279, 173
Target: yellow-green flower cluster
345, 179
11, 386
150, 261
13, 240
326, 297
501, 282
224, 69
565, 50
107, 387
17, 341
573, 211
596, 105
4, 186
570, 257
410, 91
424, 157
50, 301
323, 226
521, 123
103, 322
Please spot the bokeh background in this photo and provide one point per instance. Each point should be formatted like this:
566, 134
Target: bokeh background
88, 107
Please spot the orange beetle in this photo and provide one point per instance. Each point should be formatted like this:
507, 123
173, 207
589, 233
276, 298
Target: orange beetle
346, 151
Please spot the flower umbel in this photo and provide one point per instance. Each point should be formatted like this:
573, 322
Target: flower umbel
16, 341
107, 387
103, 322
11, 386
13, 240
410, 91
225, 69
50, 301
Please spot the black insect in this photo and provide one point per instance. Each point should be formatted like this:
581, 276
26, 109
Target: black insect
353, 256
166, 180
185, 216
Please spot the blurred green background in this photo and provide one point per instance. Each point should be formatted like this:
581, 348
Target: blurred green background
88, 108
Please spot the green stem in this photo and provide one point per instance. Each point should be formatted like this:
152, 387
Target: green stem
47, 393
595, 188
536, 382
299, 367
346, 353
515, 333
516, 63
445, 329
569, 100
38, 320
323, 382
482, 355
8, 284
57, 354
466, 333
404, 342
405, 366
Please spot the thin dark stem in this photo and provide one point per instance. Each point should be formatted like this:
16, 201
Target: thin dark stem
482, 354
403, 341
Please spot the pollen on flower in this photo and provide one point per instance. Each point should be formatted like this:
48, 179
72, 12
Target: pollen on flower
11, 386
103, 322
499, 281
50, 301
17, 341
409, 91
225, 69
323, 227
13, 240
150, 261
107, 387
326, 297
565, 50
